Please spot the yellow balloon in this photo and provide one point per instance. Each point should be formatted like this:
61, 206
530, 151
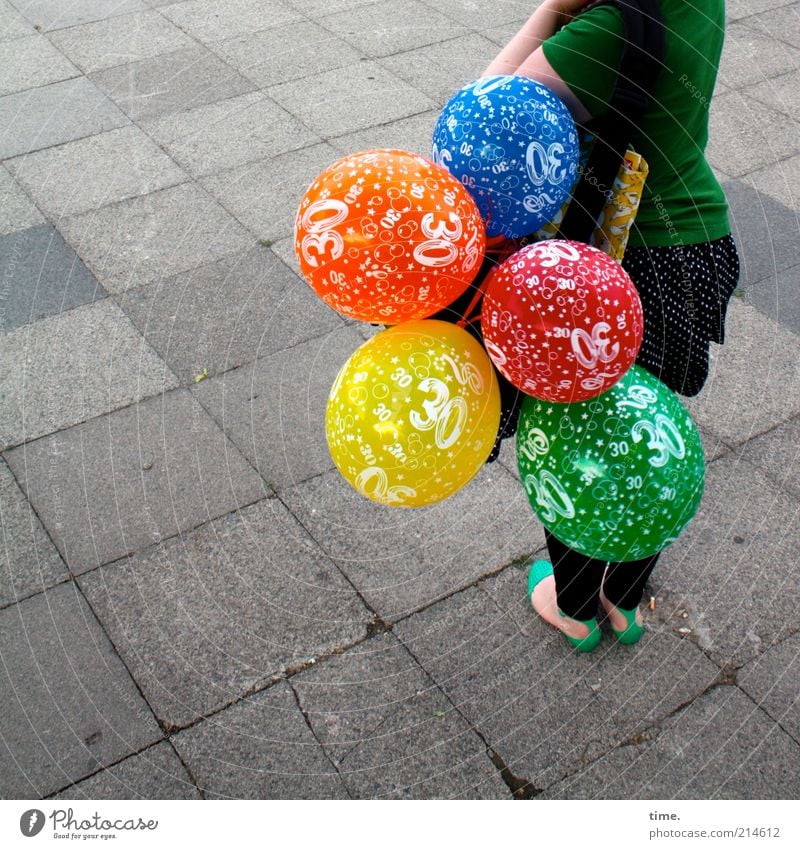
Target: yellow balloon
413, 414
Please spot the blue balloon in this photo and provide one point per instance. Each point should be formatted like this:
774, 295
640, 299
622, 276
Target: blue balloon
514, 146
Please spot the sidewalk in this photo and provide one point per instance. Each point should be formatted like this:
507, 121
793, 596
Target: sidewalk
193, 603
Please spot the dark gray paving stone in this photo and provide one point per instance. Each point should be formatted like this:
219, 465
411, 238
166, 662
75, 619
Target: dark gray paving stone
750, 56
734, 571
260, 748
229, 134
766, 231
95, 171
183, 79
270, 214
29, 561
771, 680
404, 559
70, 367
156, 773
440, 70
42, 276
207, 618
147, 238
413, 134
775, 297
350, 98
390, 731
54, 114
721, 747
121, 482
55, 14
383, 28
31, 61
212, 21
12, 24
754, 380
746, 134
17, 212
226, 314
776, 454
529, 695
69, 706
291, 51
274, 410
120, 40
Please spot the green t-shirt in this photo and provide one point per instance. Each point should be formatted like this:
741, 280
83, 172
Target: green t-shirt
683, 203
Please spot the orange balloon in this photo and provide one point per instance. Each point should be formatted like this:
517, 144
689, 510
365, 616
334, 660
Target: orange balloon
388, 236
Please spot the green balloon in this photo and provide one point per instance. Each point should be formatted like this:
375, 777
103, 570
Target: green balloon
617, 477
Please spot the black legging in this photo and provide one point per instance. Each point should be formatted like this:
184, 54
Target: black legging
684, 292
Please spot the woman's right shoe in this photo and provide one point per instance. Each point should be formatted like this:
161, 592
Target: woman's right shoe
632, 632
542, 569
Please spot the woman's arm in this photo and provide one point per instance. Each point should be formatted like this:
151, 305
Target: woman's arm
549, 17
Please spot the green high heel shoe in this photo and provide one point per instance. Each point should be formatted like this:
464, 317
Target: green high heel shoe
632, 632
542, 569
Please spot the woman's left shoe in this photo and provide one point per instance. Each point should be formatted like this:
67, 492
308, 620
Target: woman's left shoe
539, 571
632, 632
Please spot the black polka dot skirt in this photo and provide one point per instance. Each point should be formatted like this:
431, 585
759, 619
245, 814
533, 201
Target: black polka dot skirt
685, 292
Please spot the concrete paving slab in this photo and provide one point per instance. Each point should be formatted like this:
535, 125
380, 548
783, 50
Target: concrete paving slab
390, 731
228, 134
288, 52
121, 482
782, 25
261, 748
737, 9
156, 773
440, 70
69, 705
754, 380
413, 134
734, 571
71, 367
349, 99
215, 615
529, 695
771, 680
475, 15
775, 297
274, 410
750, 56
42, 276
55, 14
120, 40
721, 747
284, 250
404, 559
147, 238
54, 114
29, 562
766, 230
17, 211
776, 454
779, 93
31, 61
270, 215
12, 24
95, 171
221, 316
745, 134
383, 28
215, 20
183, 79
501, 35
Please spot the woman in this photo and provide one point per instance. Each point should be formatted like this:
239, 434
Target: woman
681, 255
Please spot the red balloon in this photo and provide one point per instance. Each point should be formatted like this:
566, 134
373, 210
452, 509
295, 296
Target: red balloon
561, 320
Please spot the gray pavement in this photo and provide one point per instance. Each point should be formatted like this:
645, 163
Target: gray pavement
193, 604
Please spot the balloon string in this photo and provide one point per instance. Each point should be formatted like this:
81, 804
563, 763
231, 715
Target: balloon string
502, 248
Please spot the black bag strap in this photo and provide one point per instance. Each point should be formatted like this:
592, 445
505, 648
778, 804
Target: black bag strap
641, 62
